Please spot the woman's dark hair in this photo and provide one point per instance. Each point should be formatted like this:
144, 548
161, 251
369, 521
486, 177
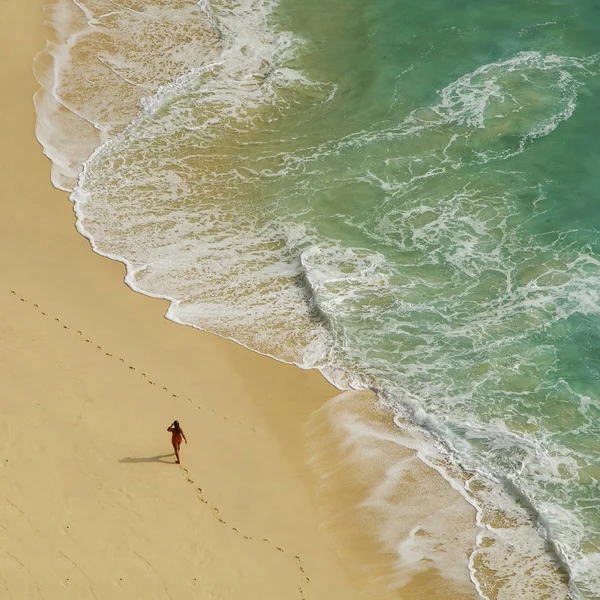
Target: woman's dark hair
176, 425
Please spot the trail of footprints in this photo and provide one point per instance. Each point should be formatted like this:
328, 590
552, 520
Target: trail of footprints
133, 368
214, 510
217, 515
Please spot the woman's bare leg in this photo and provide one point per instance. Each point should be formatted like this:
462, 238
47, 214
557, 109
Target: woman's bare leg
176, 447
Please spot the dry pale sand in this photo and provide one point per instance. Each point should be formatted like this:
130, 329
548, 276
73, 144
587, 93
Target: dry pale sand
91, 502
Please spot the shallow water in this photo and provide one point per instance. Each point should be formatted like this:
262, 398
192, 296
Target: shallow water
400, 194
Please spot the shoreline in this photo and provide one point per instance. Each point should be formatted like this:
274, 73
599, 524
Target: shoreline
85, 485
92, 371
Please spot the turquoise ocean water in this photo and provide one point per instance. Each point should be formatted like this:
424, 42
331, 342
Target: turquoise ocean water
403, 194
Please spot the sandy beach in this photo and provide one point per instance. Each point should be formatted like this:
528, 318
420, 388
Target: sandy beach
92, 504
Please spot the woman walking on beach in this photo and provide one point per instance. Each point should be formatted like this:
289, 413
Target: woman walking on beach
176, 435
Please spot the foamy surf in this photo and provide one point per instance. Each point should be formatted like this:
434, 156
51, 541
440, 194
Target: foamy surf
397, 256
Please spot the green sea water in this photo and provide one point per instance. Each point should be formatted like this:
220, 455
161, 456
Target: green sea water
405, 195
486, 211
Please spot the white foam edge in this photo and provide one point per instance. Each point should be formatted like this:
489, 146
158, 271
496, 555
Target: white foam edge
557, 547
148, 105
59, 54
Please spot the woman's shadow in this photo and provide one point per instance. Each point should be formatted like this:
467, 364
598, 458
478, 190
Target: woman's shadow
158, 458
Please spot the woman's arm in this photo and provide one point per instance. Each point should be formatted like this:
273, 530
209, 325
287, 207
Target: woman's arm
183, 435
170, 428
